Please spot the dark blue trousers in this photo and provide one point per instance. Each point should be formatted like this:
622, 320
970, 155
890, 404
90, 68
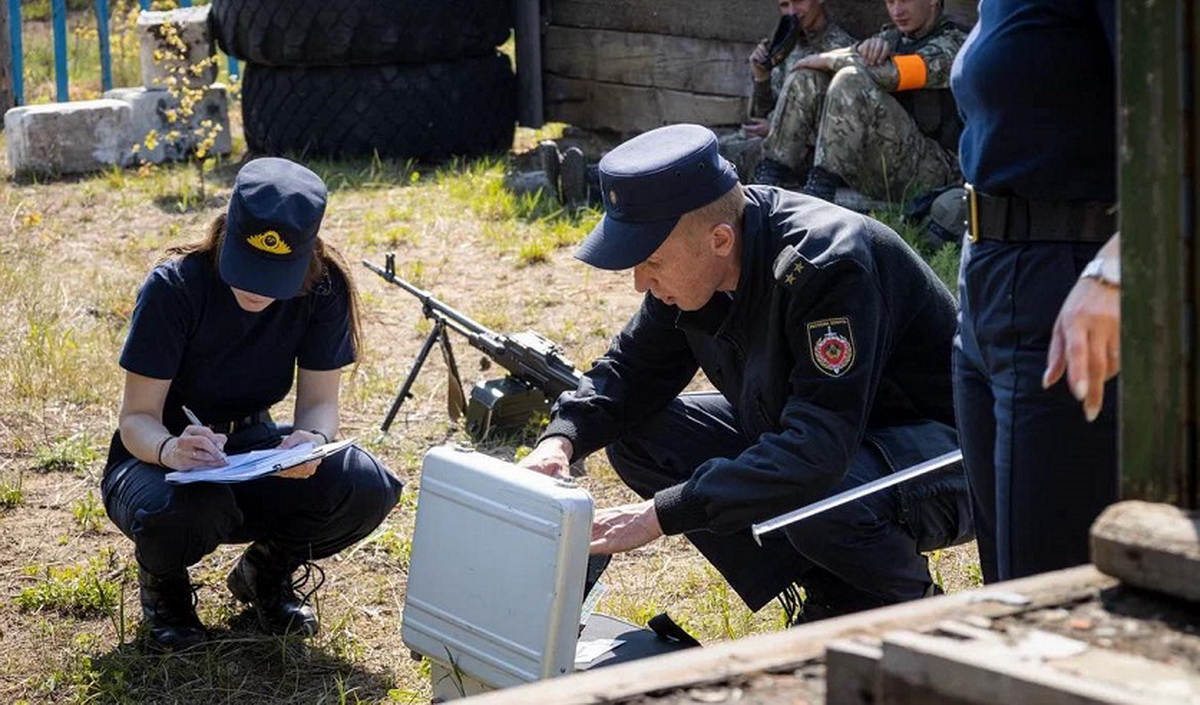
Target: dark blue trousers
1039, 472
174, 526
855, 557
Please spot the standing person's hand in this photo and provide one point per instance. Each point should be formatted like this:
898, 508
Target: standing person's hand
874, 51
551, 457
625, 528
1086, 341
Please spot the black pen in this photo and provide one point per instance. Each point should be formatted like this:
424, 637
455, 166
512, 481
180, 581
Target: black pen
195, 421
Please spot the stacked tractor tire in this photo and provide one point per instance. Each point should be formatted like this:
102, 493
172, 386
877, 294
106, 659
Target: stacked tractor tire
418, 79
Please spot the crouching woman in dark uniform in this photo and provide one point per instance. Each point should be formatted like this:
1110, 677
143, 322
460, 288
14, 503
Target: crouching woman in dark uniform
221, 328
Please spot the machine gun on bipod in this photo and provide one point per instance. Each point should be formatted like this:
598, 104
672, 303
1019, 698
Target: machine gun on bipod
537, 370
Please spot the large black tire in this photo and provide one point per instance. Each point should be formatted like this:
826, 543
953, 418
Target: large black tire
358, 32
421, 111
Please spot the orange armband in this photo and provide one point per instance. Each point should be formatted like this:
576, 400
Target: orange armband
912, 70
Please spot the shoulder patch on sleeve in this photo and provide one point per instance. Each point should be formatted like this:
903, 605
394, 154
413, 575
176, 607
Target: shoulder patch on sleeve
832, 345
792, 269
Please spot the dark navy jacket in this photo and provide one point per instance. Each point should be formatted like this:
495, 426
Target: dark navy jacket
838, 332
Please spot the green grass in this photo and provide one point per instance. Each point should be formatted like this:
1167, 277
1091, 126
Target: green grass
79, 591
11, 493
89, 514
71, 454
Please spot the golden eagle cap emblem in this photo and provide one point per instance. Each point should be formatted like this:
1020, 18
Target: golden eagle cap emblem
269, 241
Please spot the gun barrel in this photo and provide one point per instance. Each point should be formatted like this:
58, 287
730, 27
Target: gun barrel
458, 321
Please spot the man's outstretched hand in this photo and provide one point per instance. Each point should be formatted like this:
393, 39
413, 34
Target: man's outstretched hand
625, 528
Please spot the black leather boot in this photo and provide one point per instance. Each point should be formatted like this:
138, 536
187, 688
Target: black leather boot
169, 611
823, 183
263, 577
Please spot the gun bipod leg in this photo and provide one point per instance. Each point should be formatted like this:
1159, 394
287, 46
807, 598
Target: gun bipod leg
439, 331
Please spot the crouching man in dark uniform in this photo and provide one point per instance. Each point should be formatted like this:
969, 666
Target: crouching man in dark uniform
828, 341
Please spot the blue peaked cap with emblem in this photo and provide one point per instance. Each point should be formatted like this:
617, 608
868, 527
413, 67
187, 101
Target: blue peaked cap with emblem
648, 183
271, 228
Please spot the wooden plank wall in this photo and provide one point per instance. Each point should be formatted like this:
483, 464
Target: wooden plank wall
632, 65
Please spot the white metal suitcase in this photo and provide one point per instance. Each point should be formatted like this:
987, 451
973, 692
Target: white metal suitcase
496, 574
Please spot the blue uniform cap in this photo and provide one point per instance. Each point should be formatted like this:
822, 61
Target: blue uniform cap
271, 229
648, 183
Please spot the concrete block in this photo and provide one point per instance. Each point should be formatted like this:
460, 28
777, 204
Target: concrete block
173, 43
152, 110
522, 183
68, 138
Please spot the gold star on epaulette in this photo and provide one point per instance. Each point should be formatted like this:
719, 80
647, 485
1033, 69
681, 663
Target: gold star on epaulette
791, 269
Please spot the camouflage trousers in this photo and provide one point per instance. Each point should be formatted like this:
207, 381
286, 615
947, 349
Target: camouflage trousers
795, 119
851, 127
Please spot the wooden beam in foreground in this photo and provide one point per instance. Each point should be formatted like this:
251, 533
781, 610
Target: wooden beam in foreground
791, 648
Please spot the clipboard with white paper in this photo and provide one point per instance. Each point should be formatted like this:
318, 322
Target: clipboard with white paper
258, 463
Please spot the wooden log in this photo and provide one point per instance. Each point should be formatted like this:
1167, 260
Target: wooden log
705, 19
746, 21
1038, 667
1151, 546
852, 675
595, 105
658, 60
794, 647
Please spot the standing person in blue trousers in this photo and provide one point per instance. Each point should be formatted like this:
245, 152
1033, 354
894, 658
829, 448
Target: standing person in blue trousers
1035, 82
220, 330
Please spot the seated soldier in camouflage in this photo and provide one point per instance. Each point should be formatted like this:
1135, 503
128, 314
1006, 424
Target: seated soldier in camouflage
878, 116
816, 33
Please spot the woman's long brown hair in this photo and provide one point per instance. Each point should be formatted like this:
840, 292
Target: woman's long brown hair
325, 256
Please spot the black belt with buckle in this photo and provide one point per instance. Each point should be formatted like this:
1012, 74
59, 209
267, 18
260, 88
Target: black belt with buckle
231, 427
1013, 219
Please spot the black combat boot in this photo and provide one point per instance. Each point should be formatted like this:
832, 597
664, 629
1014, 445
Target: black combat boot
772, 173
823, 183
169, 611
263, 577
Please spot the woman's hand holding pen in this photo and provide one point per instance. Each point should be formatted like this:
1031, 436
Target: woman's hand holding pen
196, 447
300, 472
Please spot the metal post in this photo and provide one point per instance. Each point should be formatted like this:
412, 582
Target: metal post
1160, 386
6, 67
527, 23
58, 18
101, 7
14, 40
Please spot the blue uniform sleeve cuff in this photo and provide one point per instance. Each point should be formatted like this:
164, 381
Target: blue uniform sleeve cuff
679, 510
